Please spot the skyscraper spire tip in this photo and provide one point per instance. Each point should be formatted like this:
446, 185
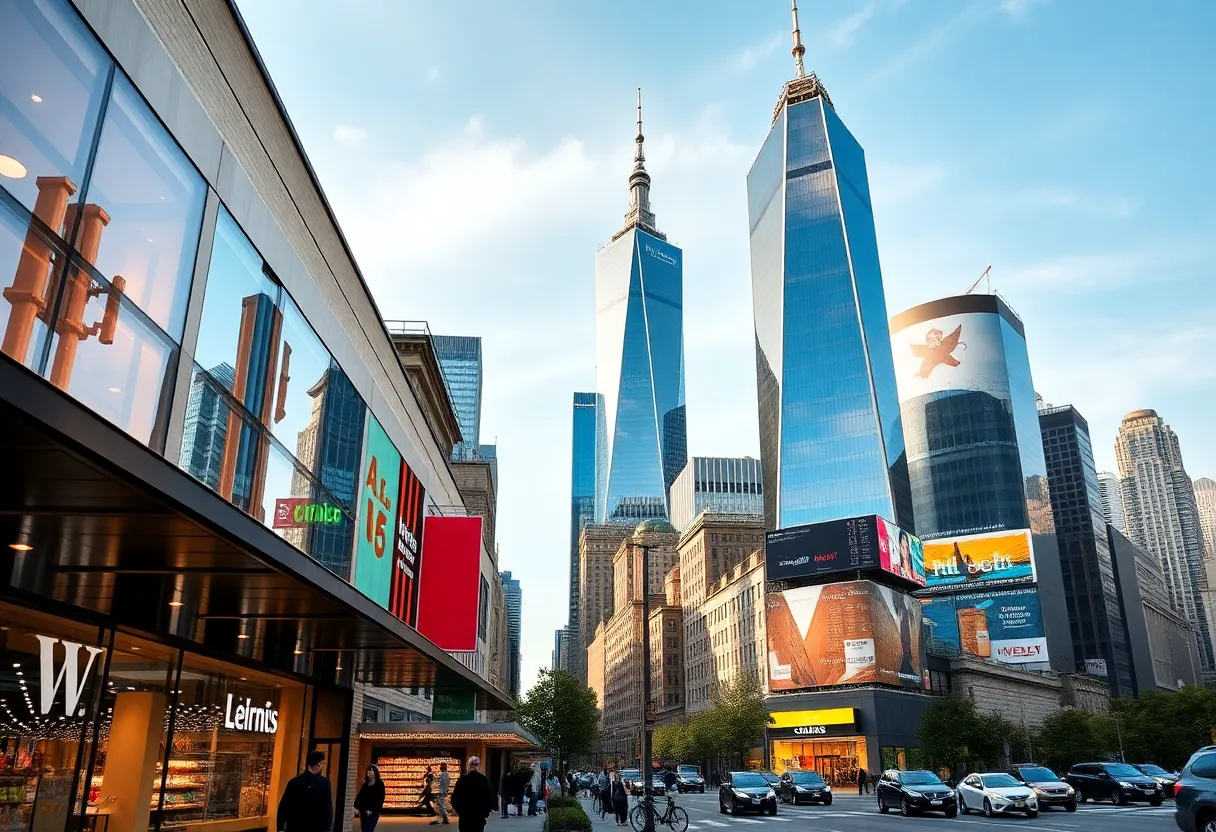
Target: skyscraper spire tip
799, 50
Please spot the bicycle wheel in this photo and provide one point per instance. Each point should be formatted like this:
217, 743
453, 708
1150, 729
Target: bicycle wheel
637, 817
678, 819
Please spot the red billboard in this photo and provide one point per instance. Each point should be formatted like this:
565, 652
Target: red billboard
450, 582
407, 554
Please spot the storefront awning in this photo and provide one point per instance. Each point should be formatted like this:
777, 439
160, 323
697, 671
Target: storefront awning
117, 533
508, 735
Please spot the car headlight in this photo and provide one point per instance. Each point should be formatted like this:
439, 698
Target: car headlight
1037, 790
827, 788
771, 794
1070, 789
743, 795
1126, 785
913, 793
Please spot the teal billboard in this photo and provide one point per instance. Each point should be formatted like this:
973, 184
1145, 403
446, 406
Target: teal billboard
376, 526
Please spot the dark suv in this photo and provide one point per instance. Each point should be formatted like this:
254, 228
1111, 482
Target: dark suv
1049, 788
913, 792
1116, 782
1195, 794
746, 791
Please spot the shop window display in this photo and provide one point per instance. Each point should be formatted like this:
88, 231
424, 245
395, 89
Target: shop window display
836, 761
404, 775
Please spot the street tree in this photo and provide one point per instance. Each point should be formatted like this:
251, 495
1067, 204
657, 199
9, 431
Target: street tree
738, 715
956, 736
1073, 735
564, 715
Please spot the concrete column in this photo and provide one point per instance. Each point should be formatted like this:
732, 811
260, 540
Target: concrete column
358, 758
287, 746
135, 734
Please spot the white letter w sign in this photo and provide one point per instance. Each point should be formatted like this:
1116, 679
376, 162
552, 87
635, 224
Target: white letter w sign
69, 672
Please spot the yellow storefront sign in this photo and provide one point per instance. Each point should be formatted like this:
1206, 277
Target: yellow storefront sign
827, 716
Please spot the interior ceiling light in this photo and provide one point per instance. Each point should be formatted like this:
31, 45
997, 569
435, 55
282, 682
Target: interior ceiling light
19, 547
36, 98
242, 635
11, 168
176, 603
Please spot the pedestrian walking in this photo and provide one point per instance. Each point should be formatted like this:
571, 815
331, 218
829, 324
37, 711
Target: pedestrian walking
369, 802
473, 798
504, 791
445, 783
522, 777
427, 801
620, 799
863, 782
669, 780
604, 783
307, 804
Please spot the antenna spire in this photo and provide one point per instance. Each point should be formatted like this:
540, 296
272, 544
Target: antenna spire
639, 158
799, 50
639, 187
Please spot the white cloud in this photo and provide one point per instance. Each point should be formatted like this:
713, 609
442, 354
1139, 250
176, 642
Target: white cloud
432, 74
748, 57
348, 134
845, 32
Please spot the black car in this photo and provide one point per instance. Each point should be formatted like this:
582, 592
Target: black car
803, 787
1165, 779
913, 792
1049, 788
689, 779
1195, 794
1117, 782
746, 791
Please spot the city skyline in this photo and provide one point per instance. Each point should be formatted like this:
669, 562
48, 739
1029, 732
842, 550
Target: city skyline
1071, 251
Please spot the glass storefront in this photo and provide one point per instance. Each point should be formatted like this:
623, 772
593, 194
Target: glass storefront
102, 730
836, 760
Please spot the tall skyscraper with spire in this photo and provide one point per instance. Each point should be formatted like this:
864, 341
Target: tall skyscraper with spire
831, 441
639, 323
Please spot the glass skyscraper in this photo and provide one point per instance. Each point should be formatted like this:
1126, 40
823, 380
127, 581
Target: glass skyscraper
460, 358
831, 441
582, 483
639, 361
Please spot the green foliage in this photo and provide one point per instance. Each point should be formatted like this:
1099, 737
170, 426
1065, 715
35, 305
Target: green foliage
563, 715
671, 742
560, 801
1073, 736
957, 737
566, 819
739, 714
1165, 728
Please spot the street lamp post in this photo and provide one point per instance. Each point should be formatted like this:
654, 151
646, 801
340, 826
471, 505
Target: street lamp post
646, 774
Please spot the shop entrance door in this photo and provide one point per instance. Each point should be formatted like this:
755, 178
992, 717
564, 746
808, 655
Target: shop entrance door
829, 768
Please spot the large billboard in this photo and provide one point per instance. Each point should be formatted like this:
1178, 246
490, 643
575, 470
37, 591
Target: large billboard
376, 523
1004, 626
856, 632
954, 352
407, 552
993, 559
854, 544
450, 584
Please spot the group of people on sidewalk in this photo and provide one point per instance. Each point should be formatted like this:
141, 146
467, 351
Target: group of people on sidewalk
307, 802
530, 784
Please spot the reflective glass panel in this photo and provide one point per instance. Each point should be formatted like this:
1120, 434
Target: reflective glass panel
29, 264
52, 81
238, 333
219, 440
106, 356
153, 198
341, 436
301, 381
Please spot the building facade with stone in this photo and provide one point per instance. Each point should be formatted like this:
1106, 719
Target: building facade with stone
734, 618
597, 547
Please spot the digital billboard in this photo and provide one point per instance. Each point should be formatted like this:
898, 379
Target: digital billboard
854, 544
375, 525
450, 583
990, 559
407, 551
855, 632
1004, 625
954, 352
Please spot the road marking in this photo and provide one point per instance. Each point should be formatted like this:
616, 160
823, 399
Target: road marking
1018, 825
747, 820
712, 823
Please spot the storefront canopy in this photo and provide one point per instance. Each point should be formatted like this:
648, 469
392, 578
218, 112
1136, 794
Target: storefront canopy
119, 534
507, 735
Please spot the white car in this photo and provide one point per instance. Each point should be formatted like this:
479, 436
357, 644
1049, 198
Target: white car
995, 792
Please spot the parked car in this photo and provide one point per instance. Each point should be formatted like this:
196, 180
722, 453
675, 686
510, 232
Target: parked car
803, 787
913, 792
1049, 789
994, 793
632, 778
658, 785
746, 791
1117, 782
689, 779
770, 778
1195, 794
1165, 779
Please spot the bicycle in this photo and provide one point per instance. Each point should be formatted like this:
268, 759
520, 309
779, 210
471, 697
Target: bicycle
598, 804
673, 817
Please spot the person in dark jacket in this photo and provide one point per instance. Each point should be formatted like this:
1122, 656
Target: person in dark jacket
473, 798
427, 801
620, 799
369, 802
307, 804
504, 791
669, 780
863, 781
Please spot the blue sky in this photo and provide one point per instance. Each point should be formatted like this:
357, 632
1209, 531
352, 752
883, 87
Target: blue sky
477, 153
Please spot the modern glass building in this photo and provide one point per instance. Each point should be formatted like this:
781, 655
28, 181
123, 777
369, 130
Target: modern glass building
460, 359
723, 485
514, 597
639, 361
1091, 589
585, 423
831, 441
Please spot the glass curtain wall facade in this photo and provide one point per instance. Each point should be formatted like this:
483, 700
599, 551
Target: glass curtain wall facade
460, 359
640, 374
583, 465
721, 484
1091, 590
831, 440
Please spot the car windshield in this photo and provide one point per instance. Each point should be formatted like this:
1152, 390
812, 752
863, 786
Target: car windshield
998, 781
689, 771
1122, 770
920, 778
769, 777
630, 774
1155, 771
1039, 774
803, 778
747, 781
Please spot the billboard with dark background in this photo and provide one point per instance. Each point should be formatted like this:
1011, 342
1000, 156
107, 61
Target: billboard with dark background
407, 552
857, 543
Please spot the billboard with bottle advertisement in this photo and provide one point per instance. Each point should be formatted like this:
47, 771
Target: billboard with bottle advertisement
1004, 626
853, 544
855, 632
992, 559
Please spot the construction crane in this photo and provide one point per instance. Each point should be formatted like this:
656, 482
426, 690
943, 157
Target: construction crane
985, 276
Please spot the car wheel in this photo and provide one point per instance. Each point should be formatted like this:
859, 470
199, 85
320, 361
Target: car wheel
882, 807
952, 812
1118, 798
734, 808
721, 805
1206, 823
773, 811
988, 808
827, 801
1155, 802
1032, 813
904, 808
962, 804
702, 790
1070, 807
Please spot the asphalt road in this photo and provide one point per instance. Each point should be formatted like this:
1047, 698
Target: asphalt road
849, 813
